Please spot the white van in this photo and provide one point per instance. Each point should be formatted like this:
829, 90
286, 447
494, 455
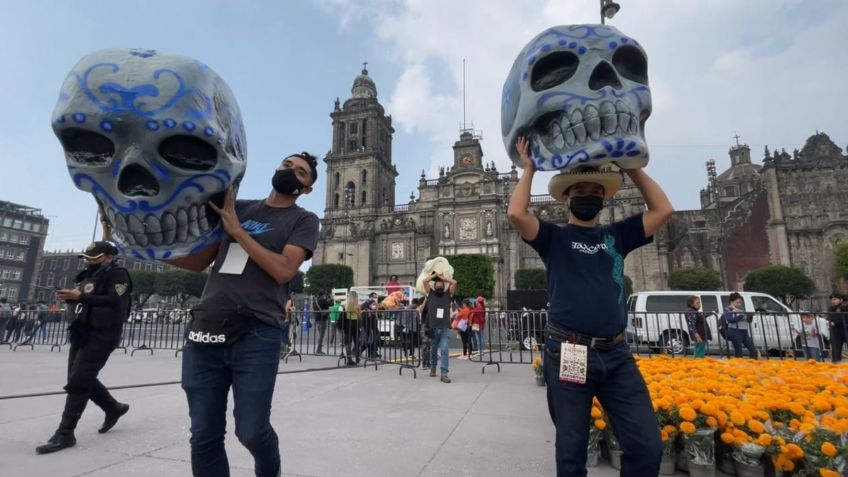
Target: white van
657, 318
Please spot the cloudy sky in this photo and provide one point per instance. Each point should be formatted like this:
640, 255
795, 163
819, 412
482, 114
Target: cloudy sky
772, 71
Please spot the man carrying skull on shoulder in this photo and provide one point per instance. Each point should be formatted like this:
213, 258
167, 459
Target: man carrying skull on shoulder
263, 246
159, 141
576, 100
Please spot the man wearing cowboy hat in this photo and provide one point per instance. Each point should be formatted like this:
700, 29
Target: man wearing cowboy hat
100, 304
585, 351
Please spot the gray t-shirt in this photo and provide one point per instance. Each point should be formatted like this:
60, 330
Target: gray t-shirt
273, 228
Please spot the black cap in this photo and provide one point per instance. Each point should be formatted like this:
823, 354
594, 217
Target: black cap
98, 249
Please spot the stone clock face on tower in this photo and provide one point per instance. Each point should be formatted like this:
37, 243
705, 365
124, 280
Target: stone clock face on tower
467, 159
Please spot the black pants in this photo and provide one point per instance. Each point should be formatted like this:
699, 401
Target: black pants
84, 363
467, 347
351, 339
740, 337
837, 340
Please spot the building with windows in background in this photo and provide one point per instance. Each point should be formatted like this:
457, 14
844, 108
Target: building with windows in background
23, 231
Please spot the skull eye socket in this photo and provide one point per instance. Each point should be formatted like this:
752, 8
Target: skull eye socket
87, 147
188, 152
553, 69
631, 64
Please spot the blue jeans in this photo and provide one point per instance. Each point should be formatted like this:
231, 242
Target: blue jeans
440, 343
738, 338
812, 353
613, 377
250, 366
480, 339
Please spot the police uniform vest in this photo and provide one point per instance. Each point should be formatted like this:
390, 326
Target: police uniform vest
103, 281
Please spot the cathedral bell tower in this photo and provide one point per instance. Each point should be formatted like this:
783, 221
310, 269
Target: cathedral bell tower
360, 179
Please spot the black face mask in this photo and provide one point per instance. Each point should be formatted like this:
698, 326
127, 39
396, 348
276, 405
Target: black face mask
285, 182
587, 207
439, 291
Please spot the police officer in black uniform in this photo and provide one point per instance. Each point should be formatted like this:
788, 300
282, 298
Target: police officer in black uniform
100, 304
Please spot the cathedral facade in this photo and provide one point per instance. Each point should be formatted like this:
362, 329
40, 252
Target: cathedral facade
791, 210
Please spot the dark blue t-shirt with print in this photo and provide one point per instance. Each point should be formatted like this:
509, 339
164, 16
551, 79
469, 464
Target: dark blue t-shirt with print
585, 270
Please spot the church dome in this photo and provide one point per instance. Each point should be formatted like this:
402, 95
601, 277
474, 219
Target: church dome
363, 86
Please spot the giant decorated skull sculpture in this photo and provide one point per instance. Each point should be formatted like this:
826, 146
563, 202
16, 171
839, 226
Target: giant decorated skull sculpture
580, 93
153, 137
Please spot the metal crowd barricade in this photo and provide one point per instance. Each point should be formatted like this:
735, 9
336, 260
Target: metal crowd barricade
30, 328
374, 338
518, 336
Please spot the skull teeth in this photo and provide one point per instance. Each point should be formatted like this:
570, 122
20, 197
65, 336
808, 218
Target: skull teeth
563, 131
171, 228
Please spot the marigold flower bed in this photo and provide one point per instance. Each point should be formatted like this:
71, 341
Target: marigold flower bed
794, 414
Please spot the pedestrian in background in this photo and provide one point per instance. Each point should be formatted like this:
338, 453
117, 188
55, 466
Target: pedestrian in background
699, 330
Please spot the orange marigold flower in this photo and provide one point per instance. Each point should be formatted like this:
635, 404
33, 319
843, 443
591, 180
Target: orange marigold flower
756, 426
687, 427
596, 413
727, 438
688, 413
737, 418
600, 424
764, 440
828, 472
794, 452
711, 421
828, 449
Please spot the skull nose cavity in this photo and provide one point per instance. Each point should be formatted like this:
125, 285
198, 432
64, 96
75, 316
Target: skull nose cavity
604, 75
136, 181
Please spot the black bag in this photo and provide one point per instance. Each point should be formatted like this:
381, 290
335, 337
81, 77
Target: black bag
219, 327
722, 326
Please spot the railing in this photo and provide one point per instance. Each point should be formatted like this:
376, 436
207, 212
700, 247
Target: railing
380, 337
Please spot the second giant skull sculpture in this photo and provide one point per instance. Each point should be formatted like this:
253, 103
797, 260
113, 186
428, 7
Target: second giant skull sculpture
153, 137
580, 93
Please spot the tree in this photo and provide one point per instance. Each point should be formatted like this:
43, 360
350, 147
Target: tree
787, 283
296, 283
696, 279
841, 253
323, 278
143, 286
474, 275
180, 284
531, 279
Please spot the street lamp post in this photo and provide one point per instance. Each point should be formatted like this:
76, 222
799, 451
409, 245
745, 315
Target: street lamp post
608, 9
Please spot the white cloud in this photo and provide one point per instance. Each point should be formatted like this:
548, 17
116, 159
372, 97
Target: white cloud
759, 68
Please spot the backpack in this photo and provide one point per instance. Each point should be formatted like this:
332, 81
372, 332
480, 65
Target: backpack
722, 326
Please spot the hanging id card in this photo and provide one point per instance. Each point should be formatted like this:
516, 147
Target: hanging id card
572, 363
235, 261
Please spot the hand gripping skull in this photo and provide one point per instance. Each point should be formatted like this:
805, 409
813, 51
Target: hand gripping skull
580, 93
153, 137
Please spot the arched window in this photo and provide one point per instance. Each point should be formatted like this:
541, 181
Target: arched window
363, 198
336, 201
350, 194
337, 181
364, 176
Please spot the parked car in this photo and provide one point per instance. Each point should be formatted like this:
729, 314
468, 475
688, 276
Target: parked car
657, 319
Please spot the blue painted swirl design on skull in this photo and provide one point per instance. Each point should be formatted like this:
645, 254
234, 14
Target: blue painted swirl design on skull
115, 98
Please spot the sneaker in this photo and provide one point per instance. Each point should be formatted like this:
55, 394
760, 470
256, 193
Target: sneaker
350, 362
113, 416
445, 379
59, 441
432, 372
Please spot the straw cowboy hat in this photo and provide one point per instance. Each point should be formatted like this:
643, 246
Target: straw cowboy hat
608, 177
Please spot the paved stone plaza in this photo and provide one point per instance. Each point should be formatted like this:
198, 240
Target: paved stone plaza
330, 422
